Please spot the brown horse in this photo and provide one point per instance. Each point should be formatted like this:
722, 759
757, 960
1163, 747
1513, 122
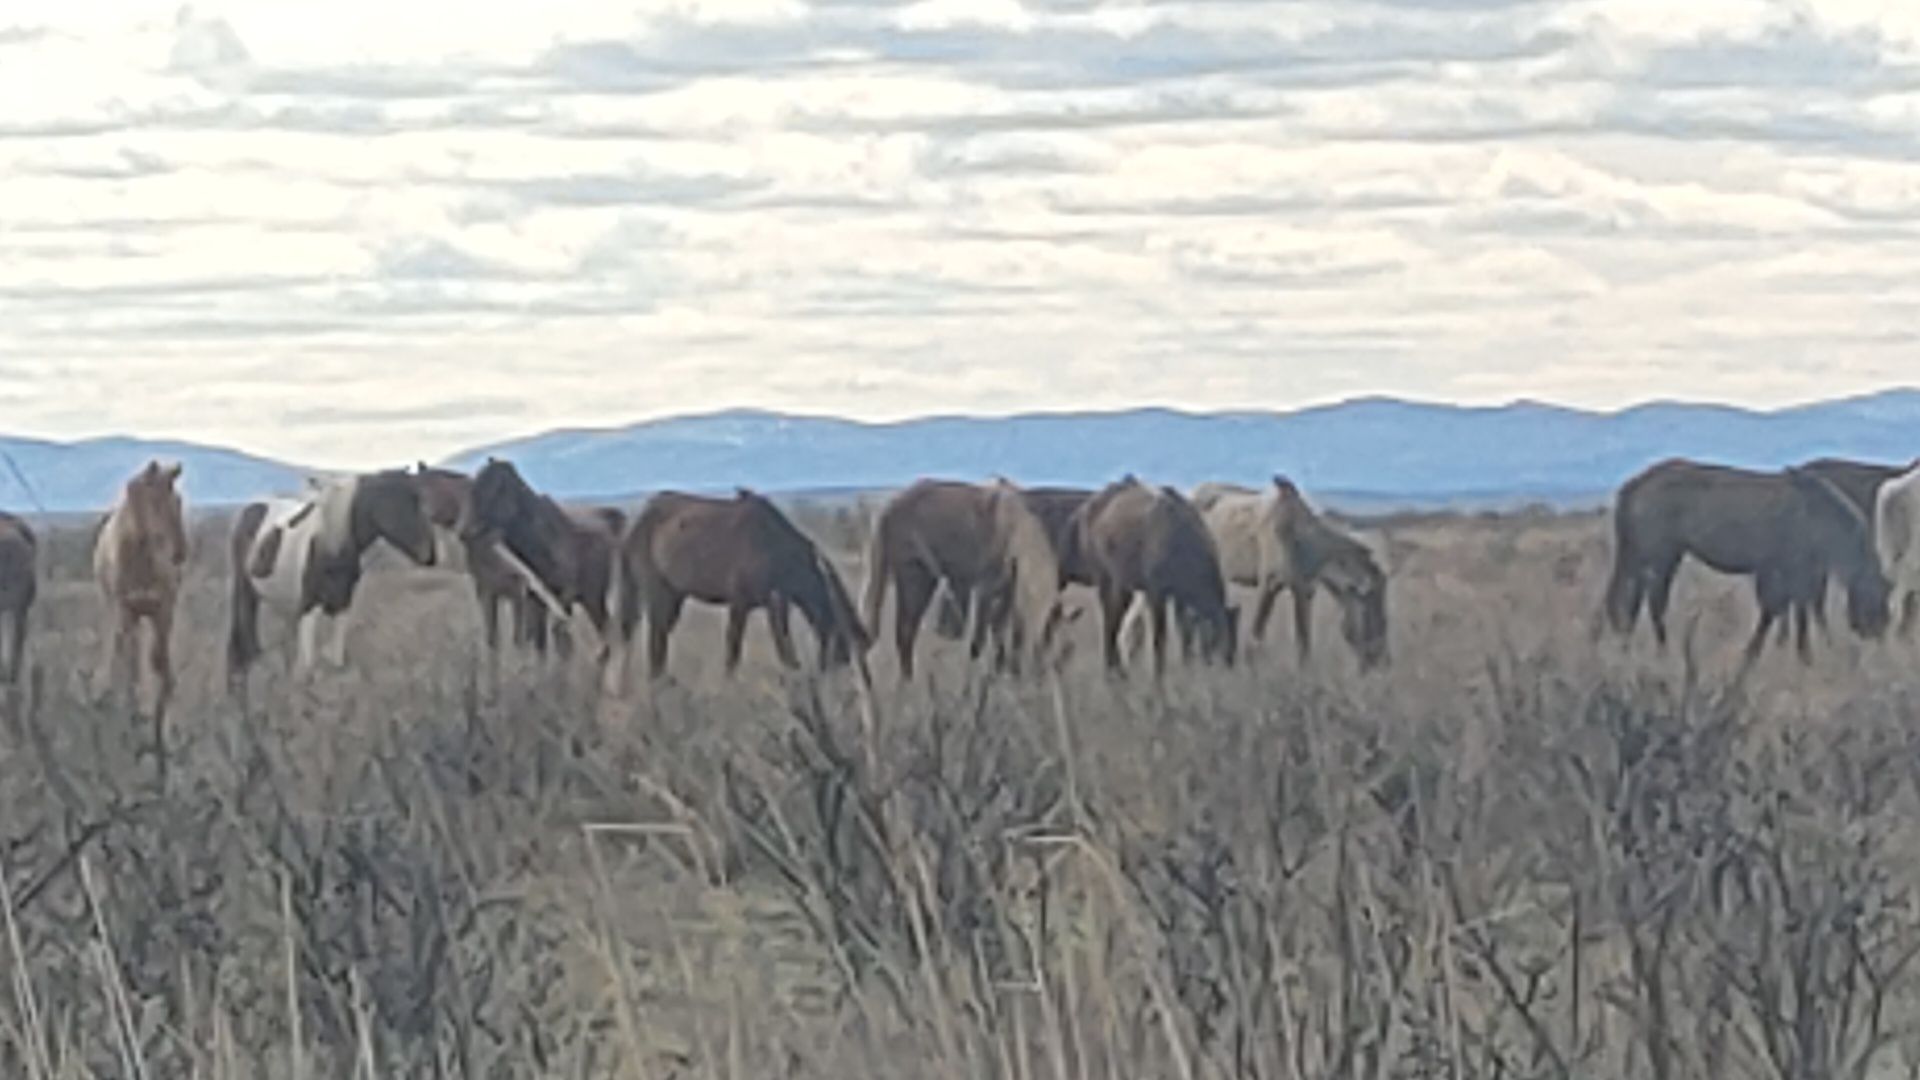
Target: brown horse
139, 557
496, 583
1860, 482
1273, 540
19, 585
742, 553
1136, 539
1789, 531
565, 556
1054, 506
976, 539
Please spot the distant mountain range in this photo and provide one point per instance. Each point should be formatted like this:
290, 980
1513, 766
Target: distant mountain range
1365, 453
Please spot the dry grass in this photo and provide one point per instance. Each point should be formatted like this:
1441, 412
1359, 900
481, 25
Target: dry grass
1516, 854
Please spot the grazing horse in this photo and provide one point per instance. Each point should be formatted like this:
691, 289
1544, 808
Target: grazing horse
1136, 539
976, 539
19, 585
1789, 531
304, 558
1860, 482
742, 553
566, 557
1273, 540
139, 556
496, 582
1054, 506
1897, 537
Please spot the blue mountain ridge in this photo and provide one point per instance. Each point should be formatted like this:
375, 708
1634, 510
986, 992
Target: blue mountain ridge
1370, 450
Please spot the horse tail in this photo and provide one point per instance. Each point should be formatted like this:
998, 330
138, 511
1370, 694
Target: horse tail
879, 569
1626, 588
848, 636
243, 620
1032, 565
633, 573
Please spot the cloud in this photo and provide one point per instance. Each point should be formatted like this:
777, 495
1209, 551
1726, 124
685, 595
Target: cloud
594, 213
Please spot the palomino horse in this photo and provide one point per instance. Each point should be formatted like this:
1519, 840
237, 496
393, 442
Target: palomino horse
1897, 539
304, 558
496, 582
975, 539
139, 556
1135, 539
742, 553
566, 557
19, 584
1789, 531
1272, 541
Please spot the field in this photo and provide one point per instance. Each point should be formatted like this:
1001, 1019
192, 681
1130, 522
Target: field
1516, 853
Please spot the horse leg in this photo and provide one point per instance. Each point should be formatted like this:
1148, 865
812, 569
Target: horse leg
337, 642
1113, 608
1303, 621
1770, 592
1801, 618
1909, 612
1659, 594
308, 645
663, 614
17, 646
736, 634
913, 587
1263, 609
780, 623
1157, 621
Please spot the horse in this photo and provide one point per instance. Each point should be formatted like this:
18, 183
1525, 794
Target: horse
1897, 541
304, 558
139, 558
1860, 482
1054, 506
496, 583
1273, 541
742, 553
565, 556
1788, 530
1136, 539
976, 539
19, 586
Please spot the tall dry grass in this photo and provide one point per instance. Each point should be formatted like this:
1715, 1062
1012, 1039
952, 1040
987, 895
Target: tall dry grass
1516, 854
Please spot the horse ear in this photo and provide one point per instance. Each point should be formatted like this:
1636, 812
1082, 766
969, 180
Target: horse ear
173, 471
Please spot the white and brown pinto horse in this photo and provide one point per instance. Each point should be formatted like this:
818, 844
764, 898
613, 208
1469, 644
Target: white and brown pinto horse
139, 557
304, 557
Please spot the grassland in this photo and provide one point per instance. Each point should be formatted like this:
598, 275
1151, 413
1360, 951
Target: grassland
1517, 853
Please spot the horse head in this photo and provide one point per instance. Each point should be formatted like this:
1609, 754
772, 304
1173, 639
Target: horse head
496, 498
388, 506
1847, 547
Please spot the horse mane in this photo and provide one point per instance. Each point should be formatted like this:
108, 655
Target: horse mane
1830, 493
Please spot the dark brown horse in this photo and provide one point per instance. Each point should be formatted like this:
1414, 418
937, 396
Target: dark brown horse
1135, 539
744, 554
19, 585
1860, 482
566, 556
1789, 531
496, 584
978, 540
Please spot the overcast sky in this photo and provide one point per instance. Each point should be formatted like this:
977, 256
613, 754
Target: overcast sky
357, 232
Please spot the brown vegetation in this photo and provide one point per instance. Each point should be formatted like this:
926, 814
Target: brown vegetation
1509, 855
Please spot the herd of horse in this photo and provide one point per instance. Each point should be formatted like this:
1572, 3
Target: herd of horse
994, 556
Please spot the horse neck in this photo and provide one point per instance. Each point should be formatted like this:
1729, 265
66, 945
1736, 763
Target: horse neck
543, 536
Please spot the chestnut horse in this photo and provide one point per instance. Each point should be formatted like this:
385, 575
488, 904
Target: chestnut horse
139, 557
742, 553
975, 539
19, 585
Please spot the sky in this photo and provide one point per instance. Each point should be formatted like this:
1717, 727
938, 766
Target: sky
357, 233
